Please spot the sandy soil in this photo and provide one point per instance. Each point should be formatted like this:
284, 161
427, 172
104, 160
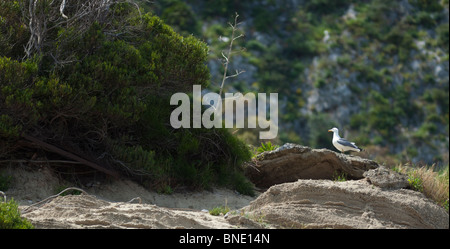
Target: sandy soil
30, 186
300, 204
107, 204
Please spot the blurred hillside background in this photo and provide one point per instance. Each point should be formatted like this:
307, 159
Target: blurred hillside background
87, 84
377, 69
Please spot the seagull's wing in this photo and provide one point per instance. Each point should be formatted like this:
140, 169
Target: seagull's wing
347, 143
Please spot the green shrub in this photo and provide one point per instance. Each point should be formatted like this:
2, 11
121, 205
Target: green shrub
10, 216
111, 100
415, 182
180, 16
241, 184
219, 210
13, 34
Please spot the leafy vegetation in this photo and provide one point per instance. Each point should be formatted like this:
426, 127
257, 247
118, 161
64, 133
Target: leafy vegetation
266, 147
219, 210
10, 216
415, 181
101, 90
339, 177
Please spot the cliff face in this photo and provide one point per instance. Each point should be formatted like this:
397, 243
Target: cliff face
377, 69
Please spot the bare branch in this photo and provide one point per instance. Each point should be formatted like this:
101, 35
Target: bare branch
227, 57
236, 74
27, 209
235, 38
61, 9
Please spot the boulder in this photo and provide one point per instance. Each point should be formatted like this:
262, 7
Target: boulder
385, 178
291, 162
349, 204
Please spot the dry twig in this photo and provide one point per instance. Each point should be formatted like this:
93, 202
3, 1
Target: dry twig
227, 57
27, 210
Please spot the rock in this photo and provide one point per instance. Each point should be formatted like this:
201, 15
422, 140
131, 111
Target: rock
385, 178
291, 162
349, 204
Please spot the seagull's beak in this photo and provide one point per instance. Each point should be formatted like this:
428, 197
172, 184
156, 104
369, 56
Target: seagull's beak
330, 131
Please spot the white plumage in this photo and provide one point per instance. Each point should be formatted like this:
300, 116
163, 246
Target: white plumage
341, 144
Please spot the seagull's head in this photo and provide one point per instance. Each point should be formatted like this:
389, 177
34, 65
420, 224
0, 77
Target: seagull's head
334, 129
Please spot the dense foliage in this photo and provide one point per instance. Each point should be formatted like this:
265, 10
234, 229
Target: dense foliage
377, 69
10, 216
101, 90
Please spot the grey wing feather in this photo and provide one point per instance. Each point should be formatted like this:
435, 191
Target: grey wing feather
347, 143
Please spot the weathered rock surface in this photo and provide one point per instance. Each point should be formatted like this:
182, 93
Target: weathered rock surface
385, 178
349, 204
291, 162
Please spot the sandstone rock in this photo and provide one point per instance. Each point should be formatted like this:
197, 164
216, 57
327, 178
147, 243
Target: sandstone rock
385, 178
349, 204
291, 162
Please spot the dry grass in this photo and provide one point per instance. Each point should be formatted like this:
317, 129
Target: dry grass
433, 183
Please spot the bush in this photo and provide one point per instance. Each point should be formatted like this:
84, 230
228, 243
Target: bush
104, 94
10, 217
13, 34
219, 210
180, 16
415, 182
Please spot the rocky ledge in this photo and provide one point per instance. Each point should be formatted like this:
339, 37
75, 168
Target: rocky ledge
291, 162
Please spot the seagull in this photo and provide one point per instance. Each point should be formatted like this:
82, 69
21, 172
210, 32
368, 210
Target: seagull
341, 144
